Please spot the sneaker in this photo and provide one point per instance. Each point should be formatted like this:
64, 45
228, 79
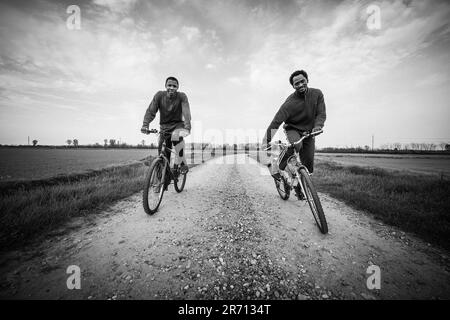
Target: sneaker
299, 193
184, 169
277, 176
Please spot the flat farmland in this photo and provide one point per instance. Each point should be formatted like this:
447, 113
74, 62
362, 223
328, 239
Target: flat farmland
41, 163
422, 164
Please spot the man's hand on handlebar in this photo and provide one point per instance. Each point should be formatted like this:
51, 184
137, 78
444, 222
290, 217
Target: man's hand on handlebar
146, 130
316, 129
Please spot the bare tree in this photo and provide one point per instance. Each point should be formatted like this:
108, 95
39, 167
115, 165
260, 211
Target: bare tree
75, 142
69, 142
143, 143
112, 142
35, 142
442, 145
397, 145
106, 142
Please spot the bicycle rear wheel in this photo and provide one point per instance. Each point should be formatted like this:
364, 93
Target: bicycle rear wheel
313, 201
282, 188
179, 181
154, 186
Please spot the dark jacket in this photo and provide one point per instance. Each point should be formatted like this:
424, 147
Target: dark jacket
301, 112
173, 112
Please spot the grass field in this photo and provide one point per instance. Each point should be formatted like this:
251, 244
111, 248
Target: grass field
423, 164
39, 163
43, 163
415, 203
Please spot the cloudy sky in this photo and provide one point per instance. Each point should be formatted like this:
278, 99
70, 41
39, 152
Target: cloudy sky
233, 60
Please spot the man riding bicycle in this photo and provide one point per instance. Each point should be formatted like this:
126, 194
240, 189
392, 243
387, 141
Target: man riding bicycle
175, 120
303, 111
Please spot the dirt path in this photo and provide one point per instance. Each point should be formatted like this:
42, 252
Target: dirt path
227, 236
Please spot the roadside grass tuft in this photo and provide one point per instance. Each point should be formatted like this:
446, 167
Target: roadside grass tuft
414, 203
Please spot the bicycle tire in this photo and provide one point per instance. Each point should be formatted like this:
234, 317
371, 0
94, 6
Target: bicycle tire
157, 164
180, 186
313, 201
284, 194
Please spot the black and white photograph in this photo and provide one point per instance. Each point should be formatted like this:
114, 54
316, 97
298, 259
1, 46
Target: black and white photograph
238, 152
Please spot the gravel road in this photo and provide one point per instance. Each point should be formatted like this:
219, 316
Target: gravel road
227, 236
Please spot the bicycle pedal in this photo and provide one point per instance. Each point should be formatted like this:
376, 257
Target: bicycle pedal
301, 198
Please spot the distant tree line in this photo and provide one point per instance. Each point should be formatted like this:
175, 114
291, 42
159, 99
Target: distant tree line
385, 148
396, 147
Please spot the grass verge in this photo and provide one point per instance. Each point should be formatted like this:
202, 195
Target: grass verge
31, 210
414, 203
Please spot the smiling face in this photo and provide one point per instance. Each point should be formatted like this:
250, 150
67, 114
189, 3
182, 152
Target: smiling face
172, 87
300, 83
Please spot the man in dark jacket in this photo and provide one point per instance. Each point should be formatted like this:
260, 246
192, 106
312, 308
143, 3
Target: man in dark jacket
174, 120
303, 111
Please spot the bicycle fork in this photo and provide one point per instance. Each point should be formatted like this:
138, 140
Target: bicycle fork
298, 176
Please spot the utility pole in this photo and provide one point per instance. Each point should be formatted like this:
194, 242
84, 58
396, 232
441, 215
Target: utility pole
28, 140
372, 141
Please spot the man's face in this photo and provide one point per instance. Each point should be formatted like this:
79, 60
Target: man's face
300, 83
172, 87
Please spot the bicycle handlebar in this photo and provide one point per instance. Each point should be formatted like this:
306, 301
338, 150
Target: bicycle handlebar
306, 135
151, 131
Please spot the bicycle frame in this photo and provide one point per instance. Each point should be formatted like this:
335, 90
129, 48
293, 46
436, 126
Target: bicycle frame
298, 162
162, 155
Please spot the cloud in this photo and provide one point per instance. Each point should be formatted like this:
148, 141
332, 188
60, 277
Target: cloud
190, 33
236, 80
434, 80
229, 55
121, 6
345, 50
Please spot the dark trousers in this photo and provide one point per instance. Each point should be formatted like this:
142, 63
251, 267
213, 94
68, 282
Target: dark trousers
306, 148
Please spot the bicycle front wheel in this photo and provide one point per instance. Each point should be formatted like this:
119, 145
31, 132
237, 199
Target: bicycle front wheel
154, 187
313, 201
180, 181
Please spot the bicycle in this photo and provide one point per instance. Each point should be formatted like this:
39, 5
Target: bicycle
296, 174
159, 177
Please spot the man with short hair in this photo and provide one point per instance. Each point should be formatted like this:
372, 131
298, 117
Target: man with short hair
175, 120
303, 111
